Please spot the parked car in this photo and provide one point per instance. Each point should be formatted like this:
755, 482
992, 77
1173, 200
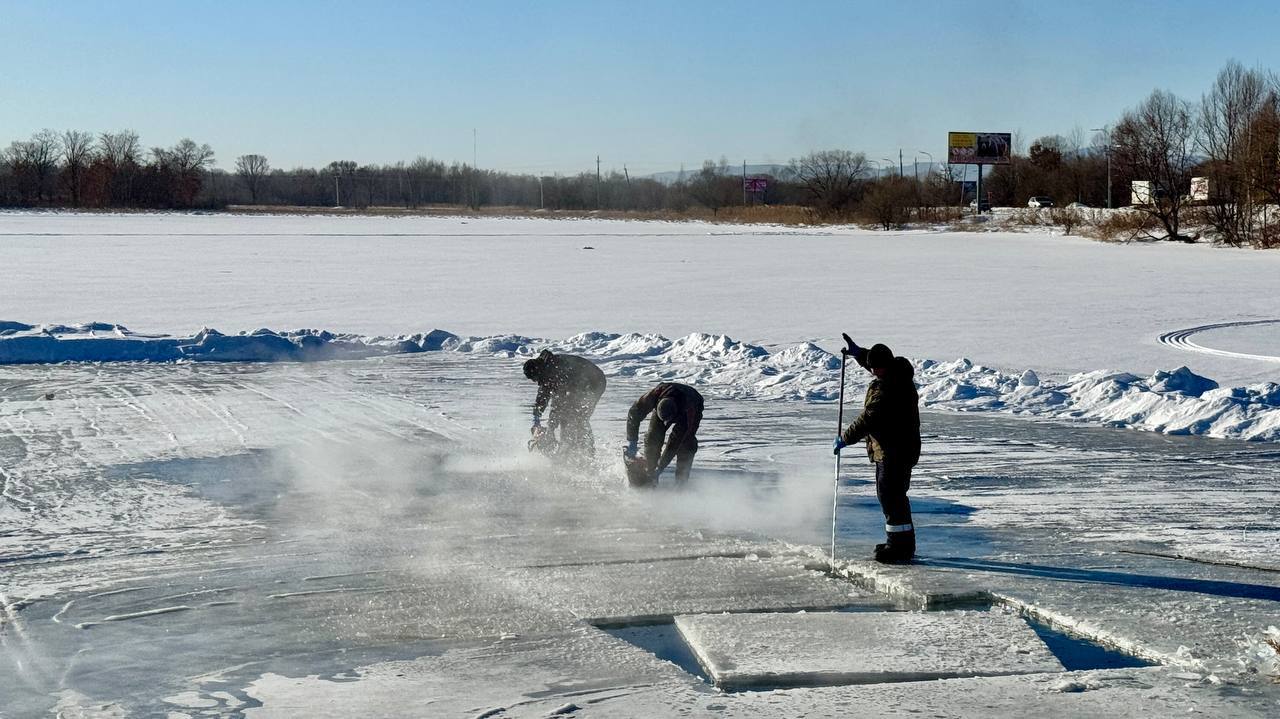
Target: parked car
986, 206
1077, 206
1040, 201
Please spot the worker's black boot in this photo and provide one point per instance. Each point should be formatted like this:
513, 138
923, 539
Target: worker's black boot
900, 548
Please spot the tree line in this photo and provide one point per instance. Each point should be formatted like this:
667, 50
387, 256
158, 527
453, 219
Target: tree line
1231, 136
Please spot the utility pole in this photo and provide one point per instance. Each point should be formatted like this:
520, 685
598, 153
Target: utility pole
475, 196
337, 191
744, 183
597, 182
979, 190
899, 162
1108, 175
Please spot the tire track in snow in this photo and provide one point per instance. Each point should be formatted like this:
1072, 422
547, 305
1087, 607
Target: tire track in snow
1180, 339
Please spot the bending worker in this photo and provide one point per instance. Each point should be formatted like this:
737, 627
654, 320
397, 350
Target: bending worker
890, 422
675, 407
572, 387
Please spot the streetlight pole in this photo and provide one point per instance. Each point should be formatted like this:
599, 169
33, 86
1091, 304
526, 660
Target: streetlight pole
890, 163
1108, 131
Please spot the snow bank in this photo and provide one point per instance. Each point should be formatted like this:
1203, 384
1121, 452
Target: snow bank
1177, 402
100, 342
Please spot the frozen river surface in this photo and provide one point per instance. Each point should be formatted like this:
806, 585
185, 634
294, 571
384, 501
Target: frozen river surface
1056, 305
370, 537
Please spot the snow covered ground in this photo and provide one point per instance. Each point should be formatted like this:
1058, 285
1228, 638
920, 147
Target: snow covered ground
368, 536
1057, 305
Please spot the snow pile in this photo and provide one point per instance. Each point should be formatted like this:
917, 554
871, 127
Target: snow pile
737, 369
1177, 402
101, 342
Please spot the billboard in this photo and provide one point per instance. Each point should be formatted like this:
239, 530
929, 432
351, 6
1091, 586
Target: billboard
1140, 192
979, 148
755, 184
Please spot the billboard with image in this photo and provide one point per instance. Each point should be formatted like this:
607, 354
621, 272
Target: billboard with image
979, 148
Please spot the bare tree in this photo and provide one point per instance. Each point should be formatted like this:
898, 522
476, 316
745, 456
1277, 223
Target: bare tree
714, 186
187, 162
120, 153
34, 162
343, 174
831, 178
120, 148
888, 201
187, 157
253, 171
1155, 142
77, 153
1231, 124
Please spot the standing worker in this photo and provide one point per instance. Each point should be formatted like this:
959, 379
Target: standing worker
572, 387
890, 422
674, 406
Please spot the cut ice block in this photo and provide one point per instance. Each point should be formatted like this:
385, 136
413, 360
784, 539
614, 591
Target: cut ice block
826, 648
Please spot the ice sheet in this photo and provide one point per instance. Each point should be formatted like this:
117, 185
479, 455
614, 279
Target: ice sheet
817, 648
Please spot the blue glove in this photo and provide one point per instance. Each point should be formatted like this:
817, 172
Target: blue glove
630, 451
537, 421
838, 445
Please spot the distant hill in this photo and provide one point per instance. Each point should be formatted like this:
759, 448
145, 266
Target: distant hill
781, 171
670, 177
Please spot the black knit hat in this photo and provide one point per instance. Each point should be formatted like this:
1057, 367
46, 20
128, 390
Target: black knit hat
879, 356
533, 367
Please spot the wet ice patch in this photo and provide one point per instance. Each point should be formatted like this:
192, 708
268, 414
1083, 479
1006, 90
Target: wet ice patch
663, 641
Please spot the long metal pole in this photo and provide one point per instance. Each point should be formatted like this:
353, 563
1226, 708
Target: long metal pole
835, 492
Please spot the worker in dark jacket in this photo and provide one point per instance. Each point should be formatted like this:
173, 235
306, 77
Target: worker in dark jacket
890, 423
675, 407
571, 386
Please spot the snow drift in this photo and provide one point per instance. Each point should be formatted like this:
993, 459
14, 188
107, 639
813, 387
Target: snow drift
1176, 402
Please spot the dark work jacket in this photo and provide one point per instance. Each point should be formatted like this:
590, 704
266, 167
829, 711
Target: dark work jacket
688, 416
890, 418
564, 375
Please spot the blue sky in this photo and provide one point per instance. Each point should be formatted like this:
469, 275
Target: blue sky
549, 85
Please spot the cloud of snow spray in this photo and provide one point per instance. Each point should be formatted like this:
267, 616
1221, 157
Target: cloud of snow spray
377, 496
380, 487
791, 507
